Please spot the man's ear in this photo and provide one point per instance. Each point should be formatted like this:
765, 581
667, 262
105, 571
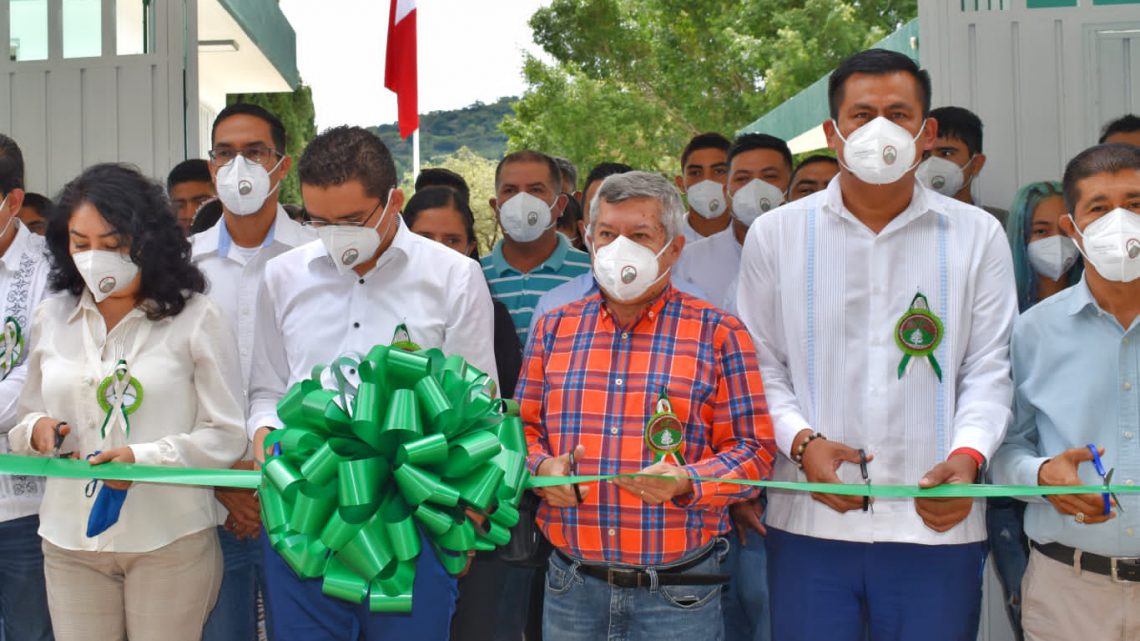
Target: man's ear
829, 129
558, 207
286, 164
979, 162
1068, 228
929, 134
15, 201
395, 201
680, 180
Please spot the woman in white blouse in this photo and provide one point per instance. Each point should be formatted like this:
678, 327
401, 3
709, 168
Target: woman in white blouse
130, 364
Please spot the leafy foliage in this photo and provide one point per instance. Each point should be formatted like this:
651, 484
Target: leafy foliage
444, 133
633, 80
295, 109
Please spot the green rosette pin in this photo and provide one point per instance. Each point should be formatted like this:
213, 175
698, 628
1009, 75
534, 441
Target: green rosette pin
918, 333
664, 432
119, 395
13, 347
381, 455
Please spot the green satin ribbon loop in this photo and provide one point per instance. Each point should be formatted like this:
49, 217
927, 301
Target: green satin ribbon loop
365, 471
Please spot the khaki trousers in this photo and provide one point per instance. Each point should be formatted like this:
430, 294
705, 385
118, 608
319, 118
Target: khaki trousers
1060, 602
162, 595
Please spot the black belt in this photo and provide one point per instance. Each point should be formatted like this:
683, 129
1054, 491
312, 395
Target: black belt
1120, 569
634, 578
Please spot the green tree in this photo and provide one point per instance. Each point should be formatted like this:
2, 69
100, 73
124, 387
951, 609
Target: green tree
479, 172
295, 109
633, 80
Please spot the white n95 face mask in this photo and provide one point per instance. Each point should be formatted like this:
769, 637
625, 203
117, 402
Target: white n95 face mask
756, 198
880, 152
525, 217
351, 245
104, 272
243, 185
941, 175
707, 199
1052, 257
626, 269
1112, 245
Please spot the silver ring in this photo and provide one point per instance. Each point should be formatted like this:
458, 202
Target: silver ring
1080, 517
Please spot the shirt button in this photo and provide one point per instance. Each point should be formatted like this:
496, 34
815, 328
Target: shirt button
652, 314
1128, 435
1127, 386
1128, 531
361, 281
356, 325
1128, 482
617, 382
612, 532
87, 380
613, 430
1124, 340
625, 335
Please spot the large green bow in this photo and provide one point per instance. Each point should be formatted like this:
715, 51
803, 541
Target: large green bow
361, 470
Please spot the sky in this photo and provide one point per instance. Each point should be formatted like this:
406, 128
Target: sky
469, 50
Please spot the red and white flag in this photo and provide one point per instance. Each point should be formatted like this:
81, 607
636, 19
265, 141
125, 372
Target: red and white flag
400, 67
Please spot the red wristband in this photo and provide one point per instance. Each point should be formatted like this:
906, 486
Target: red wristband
972, 453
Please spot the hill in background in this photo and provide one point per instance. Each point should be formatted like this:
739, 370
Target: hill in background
443, 133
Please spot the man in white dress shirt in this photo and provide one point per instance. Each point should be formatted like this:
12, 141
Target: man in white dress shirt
345, 293
882, 313
248, 144
23, 274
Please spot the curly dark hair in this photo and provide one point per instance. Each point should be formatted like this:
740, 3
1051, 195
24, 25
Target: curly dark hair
137, 208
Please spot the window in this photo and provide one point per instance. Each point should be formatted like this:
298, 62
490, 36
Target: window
134, 27
82, 28
28, 30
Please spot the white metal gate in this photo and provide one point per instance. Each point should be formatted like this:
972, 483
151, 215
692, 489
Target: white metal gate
111, 84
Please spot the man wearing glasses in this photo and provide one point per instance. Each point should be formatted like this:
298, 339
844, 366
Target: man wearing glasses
366, 278
1076, 415
247, 164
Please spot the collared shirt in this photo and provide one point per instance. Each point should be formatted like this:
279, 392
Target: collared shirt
23, 275
234, 280
691, 235
309, 314
190, 414
587, 381
584, 285
712, 263
520, 291
823, 294
1076, 376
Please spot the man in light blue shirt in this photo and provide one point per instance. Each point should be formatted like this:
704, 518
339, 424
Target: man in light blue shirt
1076, 371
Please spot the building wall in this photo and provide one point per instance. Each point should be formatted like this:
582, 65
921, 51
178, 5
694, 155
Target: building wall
1044, 78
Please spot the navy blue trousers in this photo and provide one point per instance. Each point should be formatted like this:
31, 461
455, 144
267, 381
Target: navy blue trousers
299, 611
838, 590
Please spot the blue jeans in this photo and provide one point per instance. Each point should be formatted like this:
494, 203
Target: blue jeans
234, 617
1010, 550
298, 611
838, 590
23, 598
746, 614
583, 608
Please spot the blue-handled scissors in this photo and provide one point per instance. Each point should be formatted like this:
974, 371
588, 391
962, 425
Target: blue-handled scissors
1107, 478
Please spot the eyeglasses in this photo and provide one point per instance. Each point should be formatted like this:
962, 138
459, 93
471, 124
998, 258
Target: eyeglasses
257, 153
1107, 478
317, 223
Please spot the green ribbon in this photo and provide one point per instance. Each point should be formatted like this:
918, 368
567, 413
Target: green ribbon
382, 453
918, 333
434, 519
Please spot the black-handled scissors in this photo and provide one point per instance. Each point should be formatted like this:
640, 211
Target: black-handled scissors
574, 472
867, 503
1107, 478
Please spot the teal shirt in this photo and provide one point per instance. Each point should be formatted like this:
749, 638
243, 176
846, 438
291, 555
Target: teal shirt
519, 292
1075, 376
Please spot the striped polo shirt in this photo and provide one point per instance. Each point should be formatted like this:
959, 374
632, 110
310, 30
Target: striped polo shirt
519, 291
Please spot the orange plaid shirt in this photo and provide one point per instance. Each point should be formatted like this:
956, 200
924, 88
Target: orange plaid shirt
587, 381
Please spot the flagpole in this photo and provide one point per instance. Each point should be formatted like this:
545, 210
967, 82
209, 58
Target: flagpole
415, 154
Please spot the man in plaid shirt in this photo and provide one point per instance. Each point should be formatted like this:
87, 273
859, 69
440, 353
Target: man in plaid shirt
640, 378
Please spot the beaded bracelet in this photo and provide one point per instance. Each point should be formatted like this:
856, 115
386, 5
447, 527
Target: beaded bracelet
798, 455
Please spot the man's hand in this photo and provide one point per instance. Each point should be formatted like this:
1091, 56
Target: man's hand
117, 455
942, 514
1062, 470
746, 516
821, 460
561, 495
654, 490
259, 446
244, 519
